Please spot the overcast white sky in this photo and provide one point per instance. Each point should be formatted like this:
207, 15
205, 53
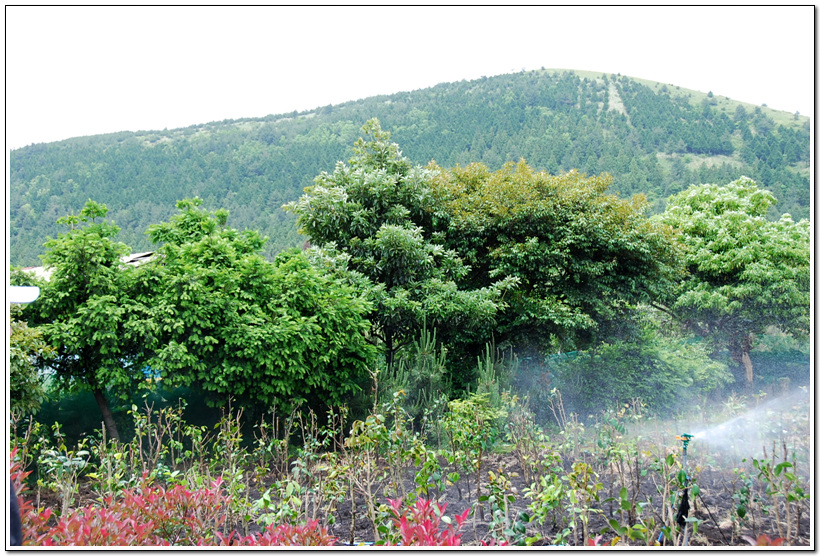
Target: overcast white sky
73, 71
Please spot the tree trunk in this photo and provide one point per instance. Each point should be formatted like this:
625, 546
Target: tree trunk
746, 347
108, 416
389, 350
747, 363
740, 355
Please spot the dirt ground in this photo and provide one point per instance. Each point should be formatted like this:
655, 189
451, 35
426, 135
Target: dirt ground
713, 506
719, 474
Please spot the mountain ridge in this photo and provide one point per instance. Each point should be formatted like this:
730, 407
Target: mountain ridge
652, 137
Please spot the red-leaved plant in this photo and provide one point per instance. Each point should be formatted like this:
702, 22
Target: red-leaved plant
764, 540
310, 534
146, 515
18, 477
419, 525
150, 515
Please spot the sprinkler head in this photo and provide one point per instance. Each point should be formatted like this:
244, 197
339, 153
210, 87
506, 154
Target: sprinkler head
685, 438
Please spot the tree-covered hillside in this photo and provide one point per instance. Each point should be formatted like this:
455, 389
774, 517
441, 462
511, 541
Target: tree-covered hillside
653, 138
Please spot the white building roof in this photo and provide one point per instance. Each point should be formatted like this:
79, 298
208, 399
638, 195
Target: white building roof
134, 259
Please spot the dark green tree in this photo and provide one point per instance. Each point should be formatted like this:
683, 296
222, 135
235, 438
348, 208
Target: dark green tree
85, 308
235, 325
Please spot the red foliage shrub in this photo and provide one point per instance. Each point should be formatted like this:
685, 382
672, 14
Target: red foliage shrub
152, 516
419, 525
18, 476
764, 540
179, 515
310, 534
92, 526
146, 516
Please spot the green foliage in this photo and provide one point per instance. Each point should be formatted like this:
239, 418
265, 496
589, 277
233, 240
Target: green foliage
581, 257
25, 345
377, 209
232, 323
745, 273
86, 311
665, 373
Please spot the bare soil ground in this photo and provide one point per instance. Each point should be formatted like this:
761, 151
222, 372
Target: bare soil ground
721, 468
713, 507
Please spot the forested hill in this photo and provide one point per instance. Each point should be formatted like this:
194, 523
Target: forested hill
653, 138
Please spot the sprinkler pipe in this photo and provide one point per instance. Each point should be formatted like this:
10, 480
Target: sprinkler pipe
683, 509
685, 438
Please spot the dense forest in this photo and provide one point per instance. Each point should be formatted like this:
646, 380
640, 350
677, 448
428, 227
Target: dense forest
653, 138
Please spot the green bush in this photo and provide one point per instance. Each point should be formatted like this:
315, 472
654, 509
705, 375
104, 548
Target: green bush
664, 373
781, 359
419, 371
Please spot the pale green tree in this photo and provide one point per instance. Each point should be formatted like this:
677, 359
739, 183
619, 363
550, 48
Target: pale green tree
582, 257
746, 273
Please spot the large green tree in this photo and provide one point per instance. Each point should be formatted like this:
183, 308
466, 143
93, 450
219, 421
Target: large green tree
378, 209
84, 311
235, 325
583, 258
746, 273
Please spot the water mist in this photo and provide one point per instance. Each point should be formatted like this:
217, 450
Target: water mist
748, 433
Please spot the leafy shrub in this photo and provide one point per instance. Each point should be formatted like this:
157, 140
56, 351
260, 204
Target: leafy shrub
146, 515
153, 516
664, 373
91, 526
25, 344
420, 525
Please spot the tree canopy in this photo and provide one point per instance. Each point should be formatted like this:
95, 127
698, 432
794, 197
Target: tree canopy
377, 209
581, 256
746, 273
238, 326
85, 309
